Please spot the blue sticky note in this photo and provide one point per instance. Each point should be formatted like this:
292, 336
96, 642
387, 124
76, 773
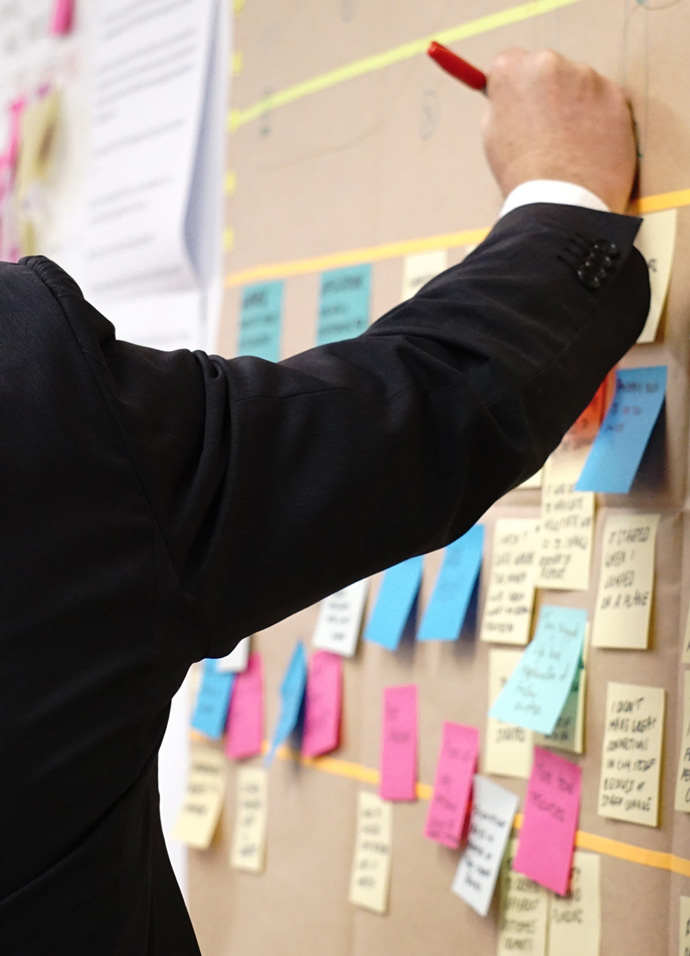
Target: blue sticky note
261, 319
619, 446
447, 608
292, 694
395, 602
536, 692
343, 304
213, 700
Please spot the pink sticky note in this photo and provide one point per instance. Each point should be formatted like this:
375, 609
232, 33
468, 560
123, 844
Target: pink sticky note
324, 697
63, 16
547, 838
399, 744
16, 109
245, 727
457, 763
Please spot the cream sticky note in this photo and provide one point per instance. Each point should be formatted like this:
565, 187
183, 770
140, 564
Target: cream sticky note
656, 241
510, 596
564, 547
491, 823
508, 749
420, 268
248, 850
569, 733
523, 913
684, 936
575, 919
626, 580
323, 704
399, 743
682, 801
631, 754
534, 481
340, 620
456, 766
371, 866
197, 820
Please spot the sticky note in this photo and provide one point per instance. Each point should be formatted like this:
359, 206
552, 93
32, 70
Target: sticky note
508, 750
399, 743
245, 729
682, 801
323, 704
684, 939
656, 241
38, 128
618, 448
16, 108
456, 766
340, 619
395, 603
549, 822
575, 919
261, 320
566, 530
536, 691
569, 732
62, 18
456, 581
569, 458
371, 867
631, 754
237, 660
343, 304
510, 595
534, 481
198, 818
686, 639
523, 911
292, 695
211, 708
420, 268
491, 822
248, 848
626, 582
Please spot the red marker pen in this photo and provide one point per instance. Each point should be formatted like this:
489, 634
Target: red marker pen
457, 67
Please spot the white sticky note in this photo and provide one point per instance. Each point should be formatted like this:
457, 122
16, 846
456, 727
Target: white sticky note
631, 754
248, 850
491, 823
682, 801
237, 660
371, 866
340, 620
510, 596
656, 241
566, 530
684, 935
626, 581
420, 268
508, 749
197, 820
524, 911
575, 919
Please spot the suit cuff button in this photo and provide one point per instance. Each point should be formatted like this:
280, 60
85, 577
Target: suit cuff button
607, 248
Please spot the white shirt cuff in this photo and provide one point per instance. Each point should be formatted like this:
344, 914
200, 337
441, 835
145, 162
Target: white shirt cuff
552, 191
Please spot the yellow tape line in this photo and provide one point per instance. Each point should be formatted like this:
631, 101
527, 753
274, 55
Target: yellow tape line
394, 250
379, 61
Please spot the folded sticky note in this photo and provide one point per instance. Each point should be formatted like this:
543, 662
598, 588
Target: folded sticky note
618, 448
447, 608
399, 744
549, 823
508, 748
395, 603
62, 18
211, 708
206, 784
261, 318
340, 619
457, 763
323, 704
292, 695
343, 304
245, 730
510, 596
536, 691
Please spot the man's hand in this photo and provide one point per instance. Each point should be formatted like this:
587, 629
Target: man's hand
551, 118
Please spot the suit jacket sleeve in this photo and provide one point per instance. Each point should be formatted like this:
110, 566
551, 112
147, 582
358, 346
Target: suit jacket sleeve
275, 485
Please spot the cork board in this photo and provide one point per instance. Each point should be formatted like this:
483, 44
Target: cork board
348, 146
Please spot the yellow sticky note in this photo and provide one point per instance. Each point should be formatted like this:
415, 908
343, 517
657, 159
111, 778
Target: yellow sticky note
510, 596
564, 549
523, 913
197, 820
682, 801
230, 182
419, 268
535, 481
237, 62
631, 754
575, 920
37, 145
626, 581
656, 241
569, 733
371, 866
248, 850
508, 750
684, 937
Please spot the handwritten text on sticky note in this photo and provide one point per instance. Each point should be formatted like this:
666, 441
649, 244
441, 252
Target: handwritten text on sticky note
248, 848
323, 704
399, 743
457, 763
510, 597
447, 608
371, 867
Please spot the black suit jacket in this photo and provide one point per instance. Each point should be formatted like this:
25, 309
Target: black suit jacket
157, 507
